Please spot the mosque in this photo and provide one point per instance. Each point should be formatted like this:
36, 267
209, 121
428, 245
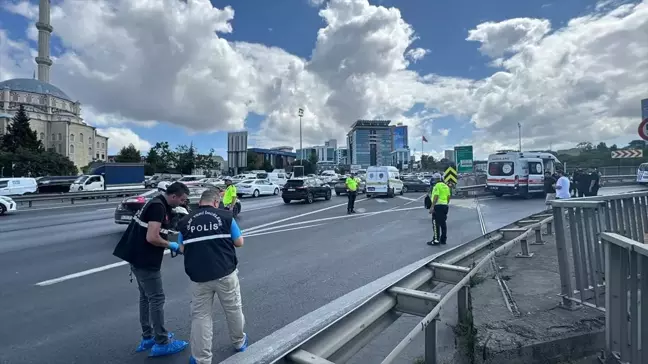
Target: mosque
54, 116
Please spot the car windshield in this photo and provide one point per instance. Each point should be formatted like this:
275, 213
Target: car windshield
262, 175
295, 182
247, 181
81, 179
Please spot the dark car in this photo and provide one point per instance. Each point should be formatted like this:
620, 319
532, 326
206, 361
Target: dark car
130, 205
307, 189
415, 185
341, 189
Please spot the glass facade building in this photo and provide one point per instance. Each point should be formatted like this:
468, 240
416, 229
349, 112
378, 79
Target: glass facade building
399, 137
369, 143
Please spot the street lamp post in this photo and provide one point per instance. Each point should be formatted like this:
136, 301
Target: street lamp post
301, 147
520, 136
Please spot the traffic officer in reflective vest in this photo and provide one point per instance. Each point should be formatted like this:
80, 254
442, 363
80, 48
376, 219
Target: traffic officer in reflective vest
209, 237
229, 196
143, 245
440, 196
352, 191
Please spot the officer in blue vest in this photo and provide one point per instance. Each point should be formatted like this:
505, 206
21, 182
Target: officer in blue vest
209, 238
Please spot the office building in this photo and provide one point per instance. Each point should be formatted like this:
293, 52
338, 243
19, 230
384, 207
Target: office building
237, 150
449, 155
369, 143
401, 158
341, 156
399, 136
325, 153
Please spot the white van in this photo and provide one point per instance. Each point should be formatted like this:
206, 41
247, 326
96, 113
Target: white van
519, 173
277, 178
17, 186
383, 181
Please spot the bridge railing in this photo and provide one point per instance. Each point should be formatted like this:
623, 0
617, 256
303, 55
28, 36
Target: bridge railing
626, 316
338, 330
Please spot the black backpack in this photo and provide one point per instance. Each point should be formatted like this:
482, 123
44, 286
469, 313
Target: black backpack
427, 202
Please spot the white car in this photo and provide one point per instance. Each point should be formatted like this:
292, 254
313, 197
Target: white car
256, 188
6, 205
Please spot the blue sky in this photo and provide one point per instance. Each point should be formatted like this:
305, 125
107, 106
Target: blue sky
292, 25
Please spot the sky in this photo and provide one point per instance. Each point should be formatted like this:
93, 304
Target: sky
461, 72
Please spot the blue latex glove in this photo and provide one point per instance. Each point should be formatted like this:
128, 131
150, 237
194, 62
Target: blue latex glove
174, 247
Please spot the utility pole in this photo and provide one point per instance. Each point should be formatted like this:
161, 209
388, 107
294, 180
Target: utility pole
301, 147
520, 136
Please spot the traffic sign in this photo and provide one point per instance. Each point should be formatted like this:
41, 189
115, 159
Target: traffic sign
627, 153
643, 126
450, 175
464, 158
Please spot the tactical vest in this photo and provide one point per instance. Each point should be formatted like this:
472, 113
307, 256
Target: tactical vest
209, 251
133, 247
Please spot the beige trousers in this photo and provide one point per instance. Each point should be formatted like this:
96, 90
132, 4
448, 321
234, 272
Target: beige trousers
203, 295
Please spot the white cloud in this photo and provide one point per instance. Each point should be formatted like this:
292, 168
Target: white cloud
417, 54
444, 132
122, 137
164, 61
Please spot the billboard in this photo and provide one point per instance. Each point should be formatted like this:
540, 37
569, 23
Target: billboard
464, 159
644, 109
399, 137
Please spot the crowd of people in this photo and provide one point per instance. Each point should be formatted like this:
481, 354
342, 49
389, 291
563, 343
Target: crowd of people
582, 183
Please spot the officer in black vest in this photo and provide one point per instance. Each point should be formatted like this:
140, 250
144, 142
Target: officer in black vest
209, 237
143, 245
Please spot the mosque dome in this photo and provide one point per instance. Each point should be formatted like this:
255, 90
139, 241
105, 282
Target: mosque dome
34, 86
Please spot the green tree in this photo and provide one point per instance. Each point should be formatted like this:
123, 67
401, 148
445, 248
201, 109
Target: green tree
161, 158
267, 165
584, 146
207, 161
254, 161
186, 158
129, 154
313, 159
637, 144
309, 168
20, 135
602, 147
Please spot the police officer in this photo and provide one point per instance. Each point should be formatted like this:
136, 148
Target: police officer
143, 245
440, 196
351, 183
230, 195
209, 237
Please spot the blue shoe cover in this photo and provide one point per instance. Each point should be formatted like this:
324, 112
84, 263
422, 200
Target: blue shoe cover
244, 346
147, 344
192, 360
173, 347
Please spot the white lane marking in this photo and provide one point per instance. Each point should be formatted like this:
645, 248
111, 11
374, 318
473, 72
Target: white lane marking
297, 216
108, 209
380, 200
406, 198
251, 234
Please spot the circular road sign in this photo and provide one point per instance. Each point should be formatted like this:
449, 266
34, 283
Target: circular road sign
643, 129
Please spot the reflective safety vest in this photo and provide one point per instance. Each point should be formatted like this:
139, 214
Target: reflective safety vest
443, 191
209, 251
351, 183
230, 193
133, 246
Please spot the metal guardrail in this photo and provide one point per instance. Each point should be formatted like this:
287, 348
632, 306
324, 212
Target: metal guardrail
626, 316
72, 196
335, 332
600, 242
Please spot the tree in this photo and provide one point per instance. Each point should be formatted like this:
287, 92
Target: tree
207, 162
20, 135
602, 147
584, 146
267, 165
637, 144
254, 161
309, 168
161, 158
186, 158
129, 154
313, 159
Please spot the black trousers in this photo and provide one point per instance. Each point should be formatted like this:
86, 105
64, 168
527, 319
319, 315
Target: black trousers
439, 223
351, 195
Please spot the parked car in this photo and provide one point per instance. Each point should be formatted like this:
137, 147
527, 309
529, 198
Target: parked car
307, 189
412, 184
6, 205
129, 206
341, 189
18, 186
256, 188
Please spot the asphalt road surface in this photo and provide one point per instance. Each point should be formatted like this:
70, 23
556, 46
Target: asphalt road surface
65, 299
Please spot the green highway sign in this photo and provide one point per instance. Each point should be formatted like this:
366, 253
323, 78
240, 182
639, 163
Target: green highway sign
464, 158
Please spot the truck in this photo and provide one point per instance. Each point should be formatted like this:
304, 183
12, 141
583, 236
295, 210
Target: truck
111, 176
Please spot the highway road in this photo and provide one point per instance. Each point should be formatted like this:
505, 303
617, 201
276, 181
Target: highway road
66, 299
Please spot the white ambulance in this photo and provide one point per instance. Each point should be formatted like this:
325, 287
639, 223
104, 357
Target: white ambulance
519, 173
